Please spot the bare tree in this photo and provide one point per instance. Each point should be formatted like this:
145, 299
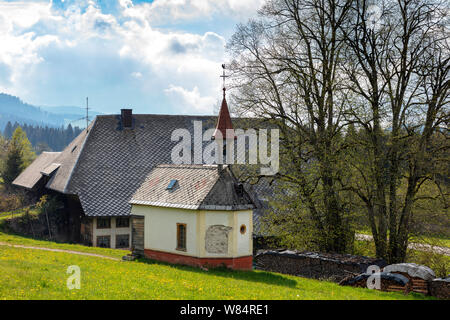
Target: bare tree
398, 68
287, 69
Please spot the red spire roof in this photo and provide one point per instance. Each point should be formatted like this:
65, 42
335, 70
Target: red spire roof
224, 121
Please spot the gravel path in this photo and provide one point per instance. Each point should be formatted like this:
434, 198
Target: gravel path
415, 246
59, 250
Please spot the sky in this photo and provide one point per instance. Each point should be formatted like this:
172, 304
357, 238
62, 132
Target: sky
160, 56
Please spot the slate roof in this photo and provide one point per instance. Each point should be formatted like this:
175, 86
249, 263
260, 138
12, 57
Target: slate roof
50, 169
32, 174
197, 187
67, 160
106, 164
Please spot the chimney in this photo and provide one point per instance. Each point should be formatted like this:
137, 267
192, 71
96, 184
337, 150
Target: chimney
127, 117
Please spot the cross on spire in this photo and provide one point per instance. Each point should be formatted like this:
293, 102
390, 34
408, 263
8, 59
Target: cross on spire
223, 76
224, 124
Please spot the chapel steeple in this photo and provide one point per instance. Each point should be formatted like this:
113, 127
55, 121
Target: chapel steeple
224, 123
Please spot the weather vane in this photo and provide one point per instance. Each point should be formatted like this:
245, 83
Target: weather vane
223, 76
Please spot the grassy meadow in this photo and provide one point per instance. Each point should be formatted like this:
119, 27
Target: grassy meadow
36, 274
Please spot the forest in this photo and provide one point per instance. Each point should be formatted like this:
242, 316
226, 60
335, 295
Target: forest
44, 138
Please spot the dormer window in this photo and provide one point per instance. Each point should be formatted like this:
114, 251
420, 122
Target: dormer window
172, 184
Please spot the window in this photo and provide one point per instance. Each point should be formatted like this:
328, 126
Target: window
104, 223
171, 185
181, 236
122, 222
243, 229
104, 241
122, 241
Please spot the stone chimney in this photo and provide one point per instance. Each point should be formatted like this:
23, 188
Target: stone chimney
127, 117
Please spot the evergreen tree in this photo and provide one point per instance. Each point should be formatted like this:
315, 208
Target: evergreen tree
8, 130
41, 147
19, 156
3, 151
69, 134
13, 165
45, 138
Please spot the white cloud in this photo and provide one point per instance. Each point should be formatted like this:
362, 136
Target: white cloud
23, 14
191, 99
20, 47
136, 75
40, 44
164, 11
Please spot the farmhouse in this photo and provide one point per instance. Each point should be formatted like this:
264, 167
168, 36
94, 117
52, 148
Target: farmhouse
98, 173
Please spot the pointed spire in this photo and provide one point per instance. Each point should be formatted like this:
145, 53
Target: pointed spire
224, 121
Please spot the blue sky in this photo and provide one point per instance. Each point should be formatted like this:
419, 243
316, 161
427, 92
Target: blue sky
161, 56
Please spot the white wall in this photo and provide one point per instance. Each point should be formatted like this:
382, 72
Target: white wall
160, 228
212, 218
244, 241
160, 232
239, 245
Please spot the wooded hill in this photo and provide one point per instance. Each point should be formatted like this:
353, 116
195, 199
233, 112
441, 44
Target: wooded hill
45, 138
13, 110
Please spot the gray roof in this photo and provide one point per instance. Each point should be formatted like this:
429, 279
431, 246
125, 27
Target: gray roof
115, 161
106, 164
32, 174
68, 160
197, 187
50, 169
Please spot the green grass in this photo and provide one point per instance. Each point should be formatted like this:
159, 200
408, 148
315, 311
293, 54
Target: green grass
35, 274
441, 241
17, 213
16, 239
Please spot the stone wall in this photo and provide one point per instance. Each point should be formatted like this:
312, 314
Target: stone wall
334, 267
